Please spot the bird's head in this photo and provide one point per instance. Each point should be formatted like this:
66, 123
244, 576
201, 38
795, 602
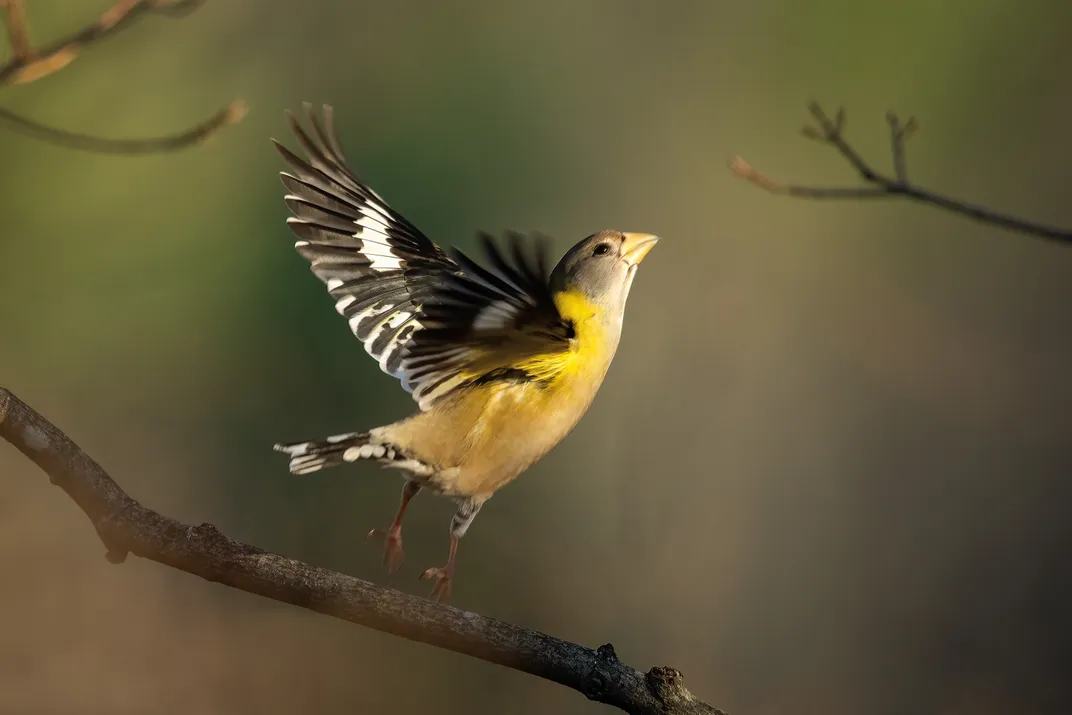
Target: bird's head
602, 267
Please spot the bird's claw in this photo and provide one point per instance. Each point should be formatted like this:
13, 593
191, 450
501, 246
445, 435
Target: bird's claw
441, 589
393, 555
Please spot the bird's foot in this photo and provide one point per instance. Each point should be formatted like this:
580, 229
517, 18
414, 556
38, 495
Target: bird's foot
443, 577
393, 555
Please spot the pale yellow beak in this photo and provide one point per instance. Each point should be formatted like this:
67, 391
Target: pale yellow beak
636, 246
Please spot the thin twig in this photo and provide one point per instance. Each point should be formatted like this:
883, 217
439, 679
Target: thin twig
231, 114
125, 526
17, 32
831, 132
897, 140
27, 65
34, 65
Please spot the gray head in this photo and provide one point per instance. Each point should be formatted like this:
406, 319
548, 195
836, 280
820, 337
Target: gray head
602, 267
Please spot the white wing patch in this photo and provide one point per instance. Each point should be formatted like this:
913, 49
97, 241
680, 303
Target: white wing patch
382, 263
343, 303
400, 317
358, 246
374, 246
383, 329
374, 310
371, 206
373, 220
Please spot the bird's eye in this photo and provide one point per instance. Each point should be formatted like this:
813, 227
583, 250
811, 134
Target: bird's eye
601, 249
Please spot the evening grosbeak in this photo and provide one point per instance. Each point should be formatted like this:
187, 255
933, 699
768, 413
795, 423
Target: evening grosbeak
502, 363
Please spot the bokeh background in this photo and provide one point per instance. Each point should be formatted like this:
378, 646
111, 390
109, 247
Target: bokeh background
829, 472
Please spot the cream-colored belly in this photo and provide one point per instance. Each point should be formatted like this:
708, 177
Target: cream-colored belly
482, 439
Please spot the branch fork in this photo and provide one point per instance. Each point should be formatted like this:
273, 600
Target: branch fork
831, 131
28, 64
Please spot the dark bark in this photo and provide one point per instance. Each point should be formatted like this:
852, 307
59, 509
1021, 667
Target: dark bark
125, 526
879, 186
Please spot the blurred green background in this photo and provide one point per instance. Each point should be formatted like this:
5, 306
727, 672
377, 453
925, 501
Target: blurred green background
829, 472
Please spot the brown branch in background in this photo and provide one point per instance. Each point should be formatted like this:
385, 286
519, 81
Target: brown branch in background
231, 114
28, 65
125, 526
831, 131
33, 65
17, 33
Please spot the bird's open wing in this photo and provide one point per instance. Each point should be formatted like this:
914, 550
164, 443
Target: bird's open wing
356, 244
434, 322
482, 324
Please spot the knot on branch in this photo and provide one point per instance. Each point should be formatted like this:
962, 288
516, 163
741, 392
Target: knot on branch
5, 403
116, 556
668, 686
112, 530
604, 675
209, 539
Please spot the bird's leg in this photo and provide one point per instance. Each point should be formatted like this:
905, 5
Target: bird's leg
393, 555
467, 510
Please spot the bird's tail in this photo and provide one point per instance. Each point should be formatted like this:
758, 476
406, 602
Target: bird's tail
306, 457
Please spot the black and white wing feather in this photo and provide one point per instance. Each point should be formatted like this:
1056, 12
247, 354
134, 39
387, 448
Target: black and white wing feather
434, 322
356, 244
481, 324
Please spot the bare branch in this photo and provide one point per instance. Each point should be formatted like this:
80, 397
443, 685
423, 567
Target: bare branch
831, 132
17, 32
125, 526
29, 65
897, 140
231, 114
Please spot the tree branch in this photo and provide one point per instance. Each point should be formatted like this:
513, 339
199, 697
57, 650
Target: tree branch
831, 132
28, 65
17, 32
125, 526
231, 114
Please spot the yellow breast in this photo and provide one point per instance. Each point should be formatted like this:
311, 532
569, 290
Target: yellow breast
589, 352
490, 434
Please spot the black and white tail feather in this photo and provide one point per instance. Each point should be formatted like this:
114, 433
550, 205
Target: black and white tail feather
306, 457
435, 322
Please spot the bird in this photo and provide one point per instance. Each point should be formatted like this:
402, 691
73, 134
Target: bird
502, 361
